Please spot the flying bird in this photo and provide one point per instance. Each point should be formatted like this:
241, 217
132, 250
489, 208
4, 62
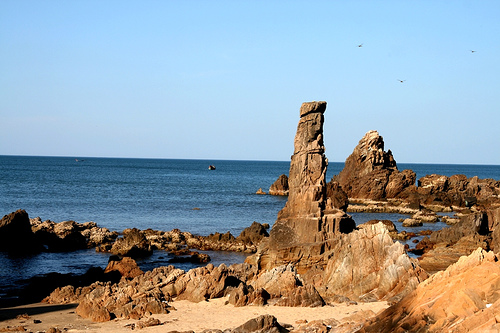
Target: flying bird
472, 51
360, 45
401, 80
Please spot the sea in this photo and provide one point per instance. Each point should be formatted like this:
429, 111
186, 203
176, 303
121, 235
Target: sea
161, 194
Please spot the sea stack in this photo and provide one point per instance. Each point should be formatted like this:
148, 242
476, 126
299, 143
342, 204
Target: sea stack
308, 217
321, 242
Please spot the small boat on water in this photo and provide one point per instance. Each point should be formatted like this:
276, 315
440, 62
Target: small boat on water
211, 167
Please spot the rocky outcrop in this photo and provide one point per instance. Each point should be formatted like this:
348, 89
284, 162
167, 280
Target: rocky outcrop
372, 173
458, 191
463, 298
70, 235
444, 247
320, 241
16, 235
133, 244
308, 218
280, 186
367, 265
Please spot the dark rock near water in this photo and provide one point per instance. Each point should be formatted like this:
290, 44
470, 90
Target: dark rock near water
16, 235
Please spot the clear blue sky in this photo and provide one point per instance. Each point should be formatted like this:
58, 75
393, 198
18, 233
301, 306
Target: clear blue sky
225, 79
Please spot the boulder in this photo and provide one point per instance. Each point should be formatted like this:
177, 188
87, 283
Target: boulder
16, 235
280, 186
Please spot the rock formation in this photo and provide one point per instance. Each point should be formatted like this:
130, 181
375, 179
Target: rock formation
16, 235
372, 173
464, 298
280, 186
319, 240
308, 217
446, 246
458, 191
70, 235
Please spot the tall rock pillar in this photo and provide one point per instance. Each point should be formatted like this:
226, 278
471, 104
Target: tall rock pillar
307, 178
308, 218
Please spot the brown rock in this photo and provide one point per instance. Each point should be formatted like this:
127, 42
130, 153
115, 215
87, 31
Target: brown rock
253, 234
280, 186
126, 266
261, 324
133, 244
372, 173
464, 298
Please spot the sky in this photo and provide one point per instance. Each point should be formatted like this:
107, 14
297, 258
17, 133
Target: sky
226, 79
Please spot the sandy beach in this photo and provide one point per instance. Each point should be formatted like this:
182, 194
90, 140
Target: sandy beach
187, 316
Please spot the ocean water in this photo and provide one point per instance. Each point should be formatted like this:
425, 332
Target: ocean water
162, 194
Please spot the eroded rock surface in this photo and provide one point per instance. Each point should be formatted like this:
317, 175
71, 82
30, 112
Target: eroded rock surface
463, 298
372, 173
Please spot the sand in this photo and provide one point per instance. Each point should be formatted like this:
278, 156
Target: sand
188, 316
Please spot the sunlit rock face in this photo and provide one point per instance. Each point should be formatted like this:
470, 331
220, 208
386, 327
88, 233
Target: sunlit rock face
309, 217
370, 172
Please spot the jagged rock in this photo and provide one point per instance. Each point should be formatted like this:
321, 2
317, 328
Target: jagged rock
245, 295
321, 242
260, 191
253, 235
127, 267
70, 235
133, 244
202, 283
444, 247
16, 235
458, 191
308, 217
372, 173
262, 324
367, 265
337, 196
280, 186
463, 298
284, 284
